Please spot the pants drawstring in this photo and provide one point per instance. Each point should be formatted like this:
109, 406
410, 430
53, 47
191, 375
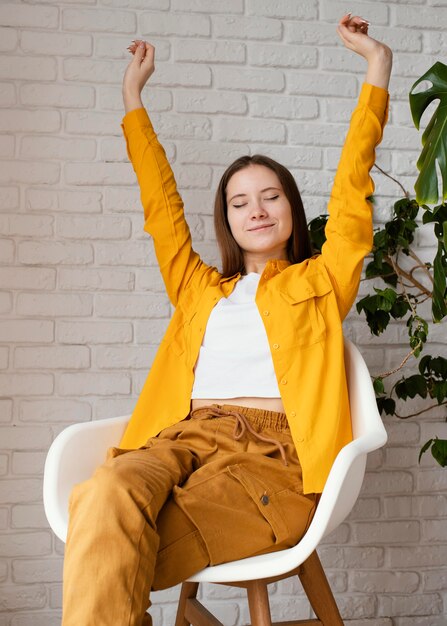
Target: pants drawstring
241, 426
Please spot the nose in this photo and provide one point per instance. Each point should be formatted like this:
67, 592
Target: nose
257, 212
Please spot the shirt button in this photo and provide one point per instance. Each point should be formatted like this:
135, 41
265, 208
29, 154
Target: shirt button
276, 346
266, 313
265, 499
284, 381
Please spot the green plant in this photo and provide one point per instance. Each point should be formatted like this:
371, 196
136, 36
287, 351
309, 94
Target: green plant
407, 288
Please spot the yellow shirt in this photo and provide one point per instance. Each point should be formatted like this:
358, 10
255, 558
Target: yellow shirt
302, 305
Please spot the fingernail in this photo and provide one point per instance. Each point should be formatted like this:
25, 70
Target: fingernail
142, 44
349, 14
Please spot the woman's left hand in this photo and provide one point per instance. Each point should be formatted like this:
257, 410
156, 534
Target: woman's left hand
353, 31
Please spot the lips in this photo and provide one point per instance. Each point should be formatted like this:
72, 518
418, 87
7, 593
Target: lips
261, 227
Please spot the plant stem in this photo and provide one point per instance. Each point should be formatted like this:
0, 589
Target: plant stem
419, 264
396, 369
433, 406
416, 283
406, 193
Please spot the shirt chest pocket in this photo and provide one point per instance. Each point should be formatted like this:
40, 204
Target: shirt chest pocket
307, 300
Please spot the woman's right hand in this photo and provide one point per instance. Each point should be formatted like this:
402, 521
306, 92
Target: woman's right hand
137, 73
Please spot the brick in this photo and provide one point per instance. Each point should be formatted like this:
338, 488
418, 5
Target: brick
111, 98
413, 65
434, 43
318, 84
34, 618
302, 133
183, 75
110, 407
7, 94
385, 582
28, 516
150, 332
95, 279
3, 571
4, 464
26, 225
20, 597
132, 307
57, 44
366, 508
58, 148
415, 604
99, 20
7, 146
209, 6
93, 383
32, 463
98, 174
430, 18
283, 107
249, 80
150, 279
8, 39
72, 305
5, 410
387, 532
331, 10
54, 253
416, 506
193, 176
30, 121
4, 357
434, 530
246, 27
204, 51
92, 227
5, 302
173, 25
30, 570
60, 200
29, 172
27, 278
27, 68
400, 39
356, 606
160, 5
116, 48
112, 149
133, 357
304, 10
27, 331
310, 33
54, 410
401, 457
351, 557
339, 535
91, 123
435, 580
94, 332
282, 55
341, 61
230, 129
211, 102
209, 152
55, 357
20, 491
420, 621
92, 70
56, 596
296, 157
171, 126
431, 480
28, 15
7, 252
26, 384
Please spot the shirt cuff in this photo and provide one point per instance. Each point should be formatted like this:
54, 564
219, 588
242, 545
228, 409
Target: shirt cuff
138, 118
377, 99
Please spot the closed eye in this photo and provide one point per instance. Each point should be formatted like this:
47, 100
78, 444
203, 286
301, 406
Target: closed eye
273, 197
238, 206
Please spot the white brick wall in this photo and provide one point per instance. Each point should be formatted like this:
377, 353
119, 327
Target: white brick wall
82, 305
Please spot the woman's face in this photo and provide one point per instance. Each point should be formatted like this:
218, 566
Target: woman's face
259, 212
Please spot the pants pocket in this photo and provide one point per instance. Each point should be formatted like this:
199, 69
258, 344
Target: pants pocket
238, 514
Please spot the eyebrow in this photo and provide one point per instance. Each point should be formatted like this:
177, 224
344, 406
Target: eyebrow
239, 195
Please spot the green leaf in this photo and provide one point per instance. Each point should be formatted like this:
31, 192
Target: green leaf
425, 447
378, 385
439, 451
386, 405
434, 138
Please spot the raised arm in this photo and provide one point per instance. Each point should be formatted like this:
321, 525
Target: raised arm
349, 230
163, 206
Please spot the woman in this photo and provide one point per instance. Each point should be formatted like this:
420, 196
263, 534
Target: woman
246, 405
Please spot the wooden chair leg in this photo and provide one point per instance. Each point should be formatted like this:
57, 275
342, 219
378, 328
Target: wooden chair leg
258, 603
318, 591
189, 590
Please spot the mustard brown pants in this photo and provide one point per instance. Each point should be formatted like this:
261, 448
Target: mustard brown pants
221, 485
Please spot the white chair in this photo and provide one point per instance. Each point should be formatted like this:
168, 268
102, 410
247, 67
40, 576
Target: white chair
80, 448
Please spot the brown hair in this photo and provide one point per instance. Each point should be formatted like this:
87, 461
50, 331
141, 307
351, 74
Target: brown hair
298, 247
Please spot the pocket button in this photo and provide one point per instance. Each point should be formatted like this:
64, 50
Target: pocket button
265, 499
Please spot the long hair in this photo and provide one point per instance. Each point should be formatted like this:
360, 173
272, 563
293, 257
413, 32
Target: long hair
298, 246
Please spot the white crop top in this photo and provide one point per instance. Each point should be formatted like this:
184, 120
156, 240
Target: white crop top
235, 359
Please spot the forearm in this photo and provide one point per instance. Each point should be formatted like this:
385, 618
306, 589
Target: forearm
379, 68
132, 100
